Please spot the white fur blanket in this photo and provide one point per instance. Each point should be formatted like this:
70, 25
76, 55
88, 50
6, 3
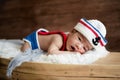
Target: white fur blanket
11, 48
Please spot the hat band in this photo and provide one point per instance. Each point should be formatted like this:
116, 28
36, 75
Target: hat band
95, 31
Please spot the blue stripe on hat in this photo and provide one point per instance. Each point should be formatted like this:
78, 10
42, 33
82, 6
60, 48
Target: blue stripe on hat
96, 30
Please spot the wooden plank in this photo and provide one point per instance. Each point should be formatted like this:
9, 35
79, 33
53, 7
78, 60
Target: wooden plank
24, 76
111, 68
72, 70
3, 74
105, 69
56, 69
112, 58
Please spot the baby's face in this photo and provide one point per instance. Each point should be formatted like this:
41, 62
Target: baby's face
78, 43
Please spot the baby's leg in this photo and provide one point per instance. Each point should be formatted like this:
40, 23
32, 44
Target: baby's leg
25, 46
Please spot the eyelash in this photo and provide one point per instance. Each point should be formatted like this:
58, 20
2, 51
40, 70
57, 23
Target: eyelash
79, 38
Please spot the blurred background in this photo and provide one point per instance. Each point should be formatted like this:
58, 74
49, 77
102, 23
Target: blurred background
18, 18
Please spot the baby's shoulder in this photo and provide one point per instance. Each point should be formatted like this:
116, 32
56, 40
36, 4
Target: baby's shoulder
57, 37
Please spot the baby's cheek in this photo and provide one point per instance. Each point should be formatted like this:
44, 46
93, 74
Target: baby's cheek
69, 41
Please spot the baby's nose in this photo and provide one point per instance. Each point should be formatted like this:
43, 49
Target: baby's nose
80, 48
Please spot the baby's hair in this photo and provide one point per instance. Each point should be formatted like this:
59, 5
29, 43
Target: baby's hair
74, 31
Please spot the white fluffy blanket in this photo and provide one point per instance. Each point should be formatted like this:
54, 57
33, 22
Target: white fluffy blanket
11, 48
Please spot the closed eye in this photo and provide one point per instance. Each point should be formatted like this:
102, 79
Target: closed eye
79, 38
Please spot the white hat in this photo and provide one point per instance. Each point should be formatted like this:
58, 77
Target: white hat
93, 30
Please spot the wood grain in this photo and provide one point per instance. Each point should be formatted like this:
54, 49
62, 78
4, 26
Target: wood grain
107, 68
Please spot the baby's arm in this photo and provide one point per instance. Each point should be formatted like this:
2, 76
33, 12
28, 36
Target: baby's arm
25, 46
55, 46
55, 50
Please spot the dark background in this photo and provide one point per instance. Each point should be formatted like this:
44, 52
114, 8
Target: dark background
20, 17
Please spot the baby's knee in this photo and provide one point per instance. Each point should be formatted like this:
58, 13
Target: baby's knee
25, 46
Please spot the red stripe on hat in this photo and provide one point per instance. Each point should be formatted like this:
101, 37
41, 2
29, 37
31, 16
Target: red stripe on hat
91, 30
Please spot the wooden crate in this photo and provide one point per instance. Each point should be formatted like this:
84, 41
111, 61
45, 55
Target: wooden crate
107, 68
